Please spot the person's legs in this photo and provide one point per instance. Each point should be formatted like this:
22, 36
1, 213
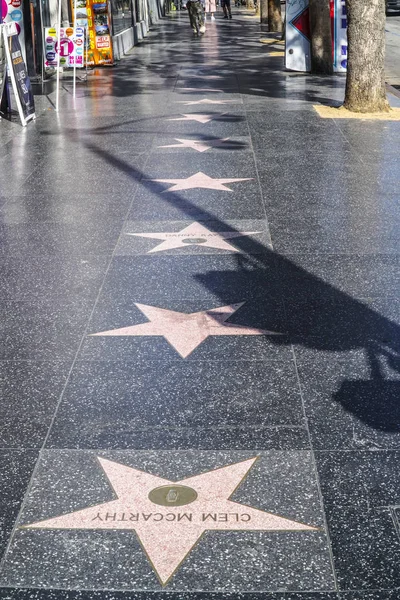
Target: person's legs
224, 8
196, 16
190, 9
228, 6
200, 17
213, 8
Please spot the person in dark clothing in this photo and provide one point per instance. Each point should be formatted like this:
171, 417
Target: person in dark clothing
226, 7
196, 16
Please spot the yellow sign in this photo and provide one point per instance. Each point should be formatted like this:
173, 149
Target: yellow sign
96, 18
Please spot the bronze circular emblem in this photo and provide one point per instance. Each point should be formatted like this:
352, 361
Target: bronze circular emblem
172, 495
194, 241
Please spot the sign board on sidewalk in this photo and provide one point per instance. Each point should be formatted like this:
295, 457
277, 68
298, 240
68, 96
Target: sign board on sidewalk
11, 12
298, 50
18, 73
298, 35
3, 75
95, 16
339, 35
71, 47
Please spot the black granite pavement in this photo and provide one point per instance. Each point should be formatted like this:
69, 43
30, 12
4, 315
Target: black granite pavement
297, 238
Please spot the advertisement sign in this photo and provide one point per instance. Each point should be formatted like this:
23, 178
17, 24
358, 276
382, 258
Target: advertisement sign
70, 47
297, 46
95, 16
3, 75
298, 35
339, 35
11, 12
18, 73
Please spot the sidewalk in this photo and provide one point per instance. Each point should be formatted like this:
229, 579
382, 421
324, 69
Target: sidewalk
200, 349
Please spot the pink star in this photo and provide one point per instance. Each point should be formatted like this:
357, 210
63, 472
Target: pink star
192, 89
198, 117
199, 180
193, 75
195, 234
205, 101
186, 331
169, 517
199, 145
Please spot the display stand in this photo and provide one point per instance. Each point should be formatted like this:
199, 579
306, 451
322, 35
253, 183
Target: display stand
58, 57
65, 49
297, 36
74, 83
43, 43
339, 29
4, 104
18, 73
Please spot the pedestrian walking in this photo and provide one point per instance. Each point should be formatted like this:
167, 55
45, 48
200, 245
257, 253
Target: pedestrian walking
226, 7
196, 16
210, 7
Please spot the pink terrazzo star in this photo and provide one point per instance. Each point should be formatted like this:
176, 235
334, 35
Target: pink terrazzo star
198, 117
186, 331
194, 234
193, 89
200, 180
189, 507
198, 145
194, 75
205, 101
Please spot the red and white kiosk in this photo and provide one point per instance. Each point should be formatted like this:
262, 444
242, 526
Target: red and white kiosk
298, 52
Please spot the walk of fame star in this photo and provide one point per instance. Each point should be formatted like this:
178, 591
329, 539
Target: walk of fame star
200, 180
186, 331
193, 75
193, 89
169, 517
194, 234
199, 145
205, 101
198, 117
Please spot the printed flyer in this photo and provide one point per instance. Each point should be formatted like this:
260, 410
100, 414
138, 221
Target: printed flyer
95, 16
18, 73
11, 12
71, 47
339, 35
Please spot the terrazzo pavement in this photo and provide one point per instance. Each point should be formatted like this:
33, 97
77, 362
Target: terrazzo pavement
312, 267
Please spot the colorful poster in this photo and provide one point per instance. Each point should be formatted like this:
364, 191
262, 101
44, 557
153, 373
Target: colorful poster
96, 17
3, 74
297, 50
18, 73
11, 12
70, 48
298, 37
339, 35
79, 49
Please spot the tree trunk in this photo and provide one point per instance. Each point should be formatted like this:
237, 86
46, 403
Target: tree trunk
274, 15
365, 84
321, 37
283, 36
264, 12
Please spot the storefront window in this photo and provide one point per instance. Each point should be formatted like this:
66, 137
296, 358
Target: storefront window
121, 11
